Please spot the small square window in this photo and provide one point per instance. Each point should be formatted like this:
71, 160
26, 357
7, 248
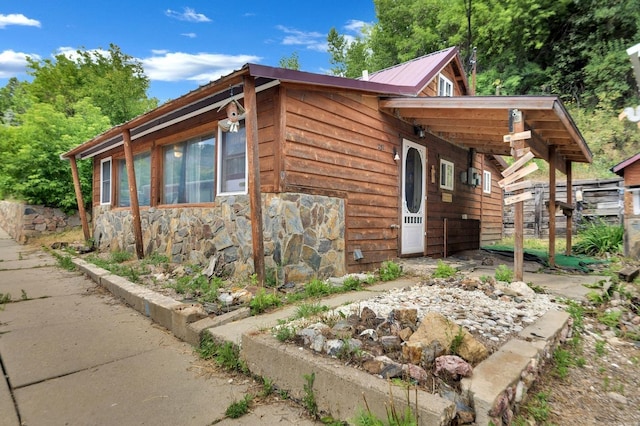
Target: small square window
445, 86
446, 175
105, 181
486, 182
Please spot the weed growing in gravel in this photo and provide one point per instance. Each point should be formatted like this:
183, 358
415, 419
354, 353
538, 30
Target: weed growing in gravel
389, 271
351, 283
267, 387
285, 333
610, 319
576, 311
538, 407
307, 310
444, 270
562, 361
456, 342
120, 256
600, 347
239, 408
199, 287
263, 301
318, 288
503, 273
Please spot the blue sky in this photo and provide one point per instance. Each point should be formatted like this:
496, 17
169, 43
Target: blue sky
181, 45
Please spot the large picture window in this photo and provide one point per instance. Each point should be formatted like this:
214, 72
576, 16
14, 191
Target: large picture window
188, 171
232, 161
142, 169
105, 181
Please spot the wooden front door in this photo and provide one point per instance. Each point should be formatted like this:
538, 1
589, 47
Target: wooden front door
414, 191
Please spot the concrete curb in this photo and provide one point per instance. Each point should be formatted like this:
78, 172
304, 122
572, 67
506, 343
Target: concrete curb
498, 386
338, 389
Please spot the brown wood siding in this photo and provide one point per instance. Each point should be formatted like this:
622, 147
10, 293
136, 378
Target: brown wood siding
341, 142
632, 174
483, 211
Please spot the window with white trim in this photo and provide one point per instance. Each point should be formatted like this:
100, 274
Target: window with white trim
446, 175
232, 161
445, 86
142, 170
105, 181
486, 182
636, 202
188, 171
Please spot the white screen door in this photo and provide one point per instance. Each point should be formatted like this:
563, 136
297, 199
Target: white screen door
414, 171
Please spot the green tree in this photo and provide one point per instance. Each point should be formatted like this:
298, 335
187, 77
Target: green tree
291, 62
14, 101
31, 168
115, 83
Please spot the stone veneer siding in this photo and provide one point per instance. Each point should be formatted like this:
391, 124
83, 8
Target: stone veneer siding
23, 221
303, 234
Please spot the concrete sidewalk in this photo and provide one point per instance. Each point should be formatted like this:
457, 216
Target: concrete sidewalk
72, 354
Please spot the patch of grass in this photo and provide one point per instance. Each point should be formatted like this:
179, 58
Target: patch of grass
444, 270
307, 310
457, 341
263, 301
563, 360
120, 256
538, 407
600, 347
226, 355
576, 311
349, 352
285, 333
389, 271
199, 287
267, 387
504, 273
351, 283
599, 238
65, 262
239, 408
611, 318
309, 397
319, 288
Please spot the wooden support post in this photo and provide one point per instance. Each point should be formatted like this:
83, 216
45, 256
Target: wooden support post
567, 250
552, 206
78, 189
133, 193
253, 161
518, 249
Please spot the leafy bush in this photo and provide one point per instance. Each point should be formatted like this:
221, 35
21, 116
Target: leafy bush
600, 238
444, 270
263, 301
389, 270
503, 273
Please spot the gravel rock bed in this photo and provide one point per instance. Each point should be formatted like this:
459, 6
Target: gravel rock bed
484, 310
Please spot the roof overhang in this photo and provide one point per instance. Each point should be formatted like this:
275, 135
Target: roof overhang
481, 122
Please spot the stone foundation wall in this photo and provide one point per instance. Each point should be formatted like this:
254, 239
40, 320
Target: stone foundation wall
303, 234
23, 221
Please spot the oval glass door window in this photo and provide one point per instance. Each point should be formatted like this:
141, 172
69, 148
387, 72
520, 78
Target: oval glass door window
413, 181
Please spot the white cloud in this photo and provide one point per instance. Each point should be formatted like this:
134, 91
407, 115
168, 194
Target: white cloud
189, 35
17, 19
312, 40
14, 63
188, 15
355, 26
199, 67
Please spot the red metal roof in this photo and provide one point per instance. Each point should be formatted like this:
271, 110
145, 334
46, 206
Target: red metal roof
619, 168
416, 73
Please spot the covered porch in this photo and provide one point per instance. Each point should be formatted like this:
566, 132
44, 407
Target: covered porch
523, 127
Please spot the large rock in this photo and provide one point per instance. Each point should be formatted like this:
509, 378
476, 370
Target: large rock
516, 288
437, 331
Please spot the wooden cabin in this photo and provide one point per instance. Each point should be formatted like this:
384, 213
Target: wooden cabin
629, 170
314, 175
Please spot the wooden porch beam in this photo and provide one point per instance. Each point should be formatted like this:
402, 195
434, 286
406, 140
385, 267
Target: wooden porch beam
253, 161
518, 245
133, 193
77, 187
552, 206
567, 250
